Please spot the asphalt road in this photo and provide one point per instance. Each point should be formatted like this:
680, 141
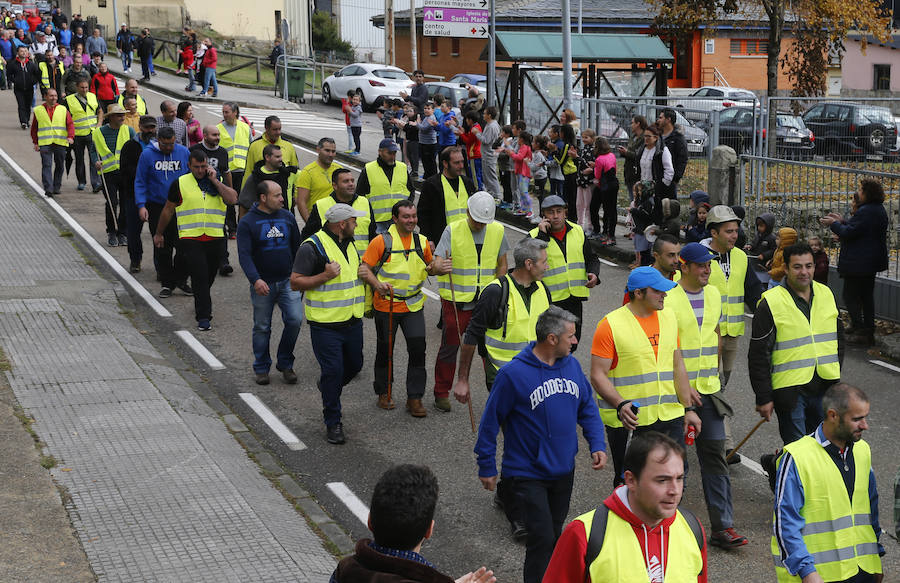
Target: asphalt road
469, 531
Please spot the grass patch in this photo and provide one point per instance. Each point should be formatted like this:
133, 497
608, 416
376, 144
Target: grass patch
66, 234
5, 365
48, 462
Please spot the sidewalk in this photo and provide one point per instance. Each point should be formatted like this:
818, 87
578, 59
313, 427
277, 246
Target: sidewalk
156, 486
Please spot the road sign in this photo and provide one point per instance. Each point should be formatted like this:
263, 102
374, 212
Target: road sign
458, 22
462, 4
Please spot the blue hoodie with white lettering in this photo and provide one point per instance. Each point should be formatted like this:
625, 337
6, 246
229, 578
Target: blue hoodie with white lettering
156, 172
538, 406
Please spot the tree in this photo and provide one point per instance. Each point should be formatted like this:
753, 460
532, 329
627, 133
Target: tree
327, 37
819, 28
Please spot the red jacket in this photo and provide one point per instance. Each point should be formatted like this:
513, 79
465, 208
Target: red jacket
567, 563
187, 57
473, 144
104, 86
70, 125
33, 22
210, 58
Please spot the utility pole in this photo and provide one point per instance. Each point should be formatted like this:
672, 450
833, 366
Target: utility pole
412, 34
492, 98
580, 10
389, 32
567, 53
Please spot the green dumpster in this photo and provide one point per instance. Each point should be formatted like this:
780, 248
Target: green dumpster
291, 77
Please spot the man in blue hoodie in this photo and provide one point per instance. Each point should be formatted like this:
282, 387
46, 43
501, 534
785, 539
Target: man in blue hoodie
159, 166
267, 239
537, 398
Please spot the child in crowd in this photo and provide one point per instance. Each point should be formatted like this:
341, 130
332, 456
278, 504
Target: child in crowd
554, 172
585, 181
356, 122
696, 231
506, 166
538, 166
187, 61
786, 236
387, 112
641, 210
468, 135
820, 258
671, 218
523, 176
345, 108
698, 197
408, 124
428, 140
761, 249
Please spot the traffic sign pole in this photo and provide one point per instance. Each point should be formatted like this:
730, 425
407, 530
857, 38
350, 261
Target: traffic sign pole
492, 59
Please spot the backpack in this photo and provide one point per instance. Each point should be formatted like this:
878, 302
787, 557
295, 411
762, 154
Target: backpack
389, 244
500, 316
598, 533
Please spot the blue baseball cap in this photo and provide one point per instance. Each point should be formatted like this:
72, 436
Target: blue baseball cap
695, 253
648, 276
388, 144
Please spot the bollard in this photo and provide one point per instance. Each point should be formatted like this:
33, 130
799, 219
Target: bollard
722, 167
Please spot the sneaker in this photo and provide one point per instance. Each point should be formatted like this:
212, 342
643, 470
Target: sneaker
727, 539
262, 378
112, 241
49, 194
290, 377
204, 325
80, 187
134, 267
123, 240
186, 289
97, 189
226, 270
385, 402
415, 408
165, 292
355, 153
335, 434
348, 151
24, 126
767, 461
442, 404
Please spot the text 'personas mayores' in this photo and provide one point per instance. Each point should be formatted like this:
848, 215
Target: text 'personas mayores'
552, 387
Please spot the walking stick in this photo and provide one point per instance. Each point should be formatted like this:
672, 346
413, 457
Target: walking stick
390, 344
459, 342
743, 441
112, 211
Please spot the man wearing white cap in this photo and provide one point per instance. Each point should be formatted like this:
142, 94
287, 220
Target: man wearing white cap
572, 265
326, 269
475, 250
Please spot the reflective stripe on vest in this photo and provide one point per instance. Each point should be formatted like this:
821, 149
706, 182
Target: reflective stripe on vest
504, 343
566, 276
383, 194
838, 531
110, 160
45, 73
471, 270
84, 119
141, 104
53, 131
803, 346
622, 560
699, 345
455, 203
338, 299
361, 233
640, 375
237, 148
199, 213
731, 290
406, 274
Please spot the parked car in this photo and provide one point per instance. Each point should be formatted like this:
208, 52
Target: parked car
451, 91
695, 136
738, 127
371, 81
848, 129
479, 81
715, 98
895, 151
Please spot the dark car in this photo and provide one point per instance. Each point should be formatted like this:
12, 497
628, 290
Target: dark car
736, 129
851, 130
452, 91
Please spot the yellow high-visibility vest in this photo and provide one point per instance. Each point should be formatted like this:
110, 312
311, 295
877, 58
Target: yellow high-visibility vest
383, 194
456, 203
84, 118
45, 73
237, 147
838, 531
338, 299
110, 160
803, 346
732, 291
471, 270
141, 104
699, 344
641, 375
51, 131
518, 330
405, 271
361, 233
566, 275
199, 213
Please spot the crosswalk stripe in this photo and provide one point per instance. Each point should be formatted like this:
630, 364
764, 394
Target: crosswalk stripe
288, 118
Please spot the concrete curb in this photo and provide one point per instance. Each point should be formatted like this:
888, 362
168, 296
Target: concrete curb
889, 346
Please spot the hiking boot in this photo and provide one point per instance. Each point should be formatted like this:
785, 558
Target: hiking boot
727, 539
335, 434
415, 408
385, 402
262, 378
442, 404
290, 377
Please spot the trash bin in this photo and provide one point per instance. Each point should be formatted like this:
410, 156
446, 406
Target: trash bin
296, 82
291, 77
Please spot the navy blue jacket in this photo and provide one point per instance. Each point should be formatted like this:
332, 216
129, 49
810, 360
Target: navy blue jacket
267, 244
863, 241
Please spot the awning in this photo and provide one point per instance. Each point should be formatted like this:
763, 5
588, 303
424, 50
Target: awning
586, 48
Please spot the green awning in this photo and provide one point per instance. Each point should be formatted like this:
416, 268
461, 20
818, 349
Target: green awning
586, 48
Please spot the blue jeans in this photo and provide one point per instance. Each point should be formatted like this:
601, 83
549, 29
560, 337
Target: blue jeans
150, 65
340, 355
191, 81
291, 305
53, 164
126, 59
209, 76
802, 419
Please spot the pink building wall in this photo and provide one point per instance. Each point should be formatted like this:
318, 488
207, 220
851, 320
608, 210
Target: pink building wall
857, 70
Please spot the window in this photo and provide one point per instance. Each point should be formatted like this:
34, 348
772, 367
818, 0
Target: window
454, 47
748, 47
433, 50
882, 77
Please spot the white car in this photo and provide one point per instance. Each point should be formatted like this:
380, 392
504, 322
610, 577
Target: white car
715, 98
371, 81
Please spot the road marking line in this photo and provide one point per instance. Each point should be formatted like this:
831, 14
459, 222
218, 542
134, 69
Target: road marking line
514, 228
111, 261
605, 262
203, 352
274, 423
350, 500
754, 466
430, 293
886, 365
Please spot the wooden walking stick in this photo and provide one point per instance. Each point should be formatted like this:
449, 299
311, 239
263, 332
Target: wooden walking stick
112, 210
459, 341
743, 441
390, 344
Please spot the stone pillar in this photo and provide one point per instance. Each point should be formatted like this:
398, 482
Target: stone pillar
721, 176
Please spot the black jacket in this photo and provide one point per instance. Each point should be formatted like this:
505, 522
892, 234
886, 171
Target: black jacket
367, 565
145, 46
314, 224
677, 146
23, 75
863, 241
247, 194
128, 161
432, 214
